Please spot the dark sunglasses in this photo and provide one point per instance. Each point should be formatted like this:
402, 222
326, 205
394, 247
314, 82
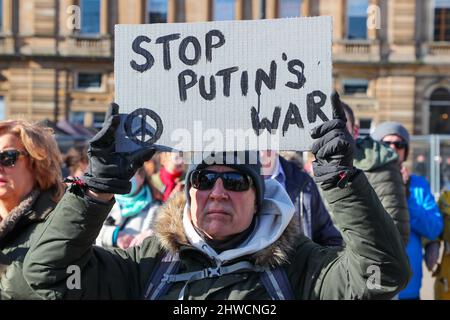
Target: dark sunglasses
232, 181
397, 144
8, 158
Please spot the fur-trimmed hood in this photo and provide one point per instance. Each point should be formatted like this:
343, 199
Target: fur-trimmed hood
269, 245
34, 208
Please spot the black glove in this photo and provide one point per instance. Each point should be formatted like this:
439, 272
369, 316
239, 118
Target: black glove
333, 149
110, 171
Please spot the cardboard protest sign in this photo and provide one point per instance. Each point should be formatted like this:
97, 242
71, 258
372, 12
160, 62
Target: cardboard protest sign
228, 85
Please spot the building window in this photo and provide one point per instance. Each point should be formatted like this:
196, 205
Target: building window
355, 86
157, 11
440, 111
88, 81
99, 118
224, 10
289, 8
442, 20
364, 126
76, 117
357, 19
90, 17
2, 108
262, 9
1, 15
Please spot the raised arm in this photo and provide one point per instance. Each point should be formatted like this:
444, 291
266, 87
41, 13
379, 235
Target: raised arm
373, 264
62, 262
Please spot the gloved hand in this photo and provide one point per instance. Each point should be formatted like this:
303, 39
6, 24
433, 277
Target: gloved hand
110, 171
333, 148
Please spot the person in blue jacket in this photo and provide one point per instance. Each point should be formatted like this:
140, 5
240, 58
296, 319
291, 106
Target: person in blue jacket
425, 219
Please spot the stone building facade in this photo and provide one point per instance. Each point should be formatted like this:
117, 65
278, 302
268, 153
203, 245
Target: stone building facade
391, 57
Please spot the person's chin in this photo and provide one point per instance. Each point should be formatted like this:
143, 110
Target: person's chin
216, 229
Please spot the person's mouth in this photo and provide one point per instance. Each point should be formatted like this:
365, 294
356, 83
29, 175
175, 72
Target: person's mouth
217, 212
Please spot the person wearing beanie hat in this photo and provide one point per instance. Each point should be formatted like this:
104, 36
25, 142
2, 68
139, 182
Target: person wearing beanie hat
424, 216
380, 164
394, 135
232, 236
245, 162
219, 223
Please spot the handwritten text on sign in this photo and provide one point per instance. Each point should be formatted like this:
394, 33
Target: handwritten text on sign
229, 85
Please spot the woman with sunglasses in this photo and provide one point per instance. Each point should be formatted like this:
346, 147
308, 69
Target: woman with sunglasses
231, 236
30, 187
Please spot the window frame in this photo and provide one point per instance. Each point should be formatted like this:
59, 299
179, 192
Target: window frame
71, 116
1, 17
147, 12
345, 82
437, 104
279, 5
90, 89
99, 126
213, 11
90, 34
347, 23
365, 131
433, 23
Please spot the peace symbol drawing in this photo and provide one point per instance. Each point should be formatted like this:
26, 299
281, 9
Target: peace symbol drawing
139, 130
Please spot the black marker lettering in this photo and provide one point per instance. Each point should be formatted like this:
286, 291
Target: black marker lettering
136, 46
226, 74
197, 51
244, 83
269, 80
166, 48
183, 86
209, 45
313, 107
212, 88
292, 117
300, 74
259, 126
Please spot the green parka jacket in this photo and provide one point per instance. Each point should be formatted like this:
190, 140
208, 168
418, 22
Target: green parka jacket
379, 163
16, 233
315, 272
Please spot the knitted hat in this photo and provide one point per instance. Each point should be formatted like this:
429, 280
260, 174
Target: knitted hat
389, 128
245, 162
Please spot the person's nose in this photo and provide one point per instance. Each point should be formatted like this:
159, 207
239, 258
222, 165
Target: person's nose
218, 192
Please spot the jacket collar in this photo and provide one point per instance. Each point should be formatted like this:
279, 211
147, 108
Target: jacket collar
34, 208
170, 232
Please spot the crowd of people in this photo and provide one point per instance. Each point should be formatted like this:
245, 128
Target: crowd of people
145, 225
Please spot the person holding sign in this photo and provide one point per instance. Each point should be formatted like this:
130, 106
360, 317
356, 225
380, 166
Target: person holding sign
233, 237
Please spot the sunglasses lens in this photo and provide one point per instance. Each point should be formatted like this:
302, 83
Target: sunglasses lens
235, 181
401, 145
397, 144
203, 180
8, 158
232, 181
